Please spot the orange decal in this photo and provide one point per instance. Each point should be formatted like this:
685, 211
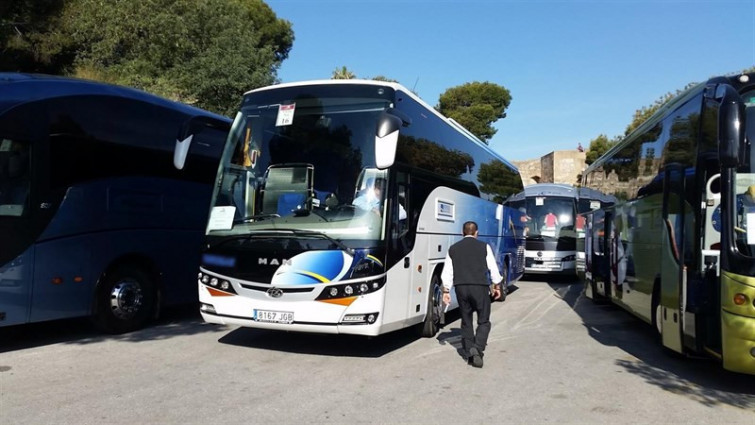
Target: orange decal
215, 293
340, 301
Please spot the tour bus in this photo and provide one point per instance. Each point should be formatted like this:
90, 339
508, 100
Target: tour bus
298, 237
550, 236
678, 247
95, 220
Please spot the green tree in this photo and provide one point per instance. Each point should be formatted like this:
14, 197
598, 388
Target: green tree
599, 146
384, 78
201, 52
499, 180
342, 73
643, 114
476, 106
26, 26
432, 157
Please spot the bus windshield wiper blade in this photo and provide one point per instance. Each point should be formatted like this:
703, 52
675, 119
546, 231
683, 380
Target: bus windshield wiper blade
255, 217
223, 239
337, 242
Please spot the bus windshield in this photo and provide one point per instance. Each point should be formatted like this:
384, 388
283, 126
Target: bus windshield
303, 163
550, 217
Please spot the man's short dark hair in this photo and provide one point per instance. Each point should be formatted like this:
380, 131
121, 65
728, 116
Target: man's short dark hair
470, 227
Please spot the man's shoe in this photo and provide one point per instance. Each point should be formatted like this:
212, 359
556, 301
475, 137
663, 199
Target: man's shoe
476, 358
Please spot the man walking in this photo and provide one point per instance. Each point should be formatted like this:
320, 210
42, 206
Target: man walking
466, 267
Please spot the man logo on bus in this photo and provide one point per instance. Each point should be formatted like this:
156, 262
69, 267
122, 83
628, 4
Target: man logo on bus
273, 262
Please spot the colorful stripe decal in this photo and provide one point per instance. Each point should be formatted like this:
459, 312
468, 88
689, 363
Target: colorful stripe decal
340, 301
216, 293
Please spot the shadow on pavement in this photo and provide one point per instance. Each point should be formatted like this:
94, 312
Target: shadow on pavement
700, 379
174, 321
320, 344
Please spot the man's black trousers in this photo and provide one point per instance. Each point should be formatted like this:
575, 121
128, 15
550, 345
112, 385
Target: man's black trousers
474, 299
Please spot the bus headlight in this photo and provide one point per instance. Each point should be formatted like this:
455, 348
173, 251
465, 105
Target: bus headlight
351, 289
216, 283
207, 308
740, 299
359, 319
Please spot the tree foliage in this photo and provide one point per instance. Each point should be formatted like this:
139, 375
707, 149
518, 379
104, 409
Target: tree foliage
497, 179
384, 78
26, 28
202, 52
433, 157
342, 73
643, 114
599, 146
476, 106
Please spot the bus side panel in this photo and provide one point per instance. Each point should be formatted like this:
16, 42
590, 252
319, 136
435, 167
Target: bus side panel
56, 294
440, 225
15, 289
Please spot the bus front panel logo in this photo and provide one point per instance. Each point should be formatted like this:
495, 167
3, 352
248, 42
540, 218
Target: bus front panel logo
275, 292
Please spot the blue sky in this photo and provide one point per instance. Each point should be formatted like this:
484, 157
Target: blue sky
575, 69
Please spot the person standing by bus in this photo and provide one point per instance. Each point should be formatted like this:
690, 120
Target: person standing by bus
467, 264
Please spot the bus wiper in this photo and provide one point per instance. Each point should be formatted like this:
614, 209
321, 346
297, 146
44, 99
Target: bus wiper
255, 217
337, 242
223, 239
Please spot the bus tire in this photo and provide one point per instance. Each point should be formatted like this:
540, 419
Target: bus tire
430, 326
504, 287
656, 310
125, 300
596, 298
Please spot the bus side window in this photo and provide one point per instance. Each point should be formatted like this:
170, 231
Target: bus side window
14, 176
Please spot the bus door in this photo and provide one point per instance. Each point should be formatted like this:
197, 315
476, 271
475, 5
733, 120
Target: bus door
598, 257
710, 262
669, 296
401, 241
23, 212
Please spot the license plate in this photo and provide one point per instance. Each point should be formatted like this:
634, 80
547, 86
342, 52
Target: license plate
274, 316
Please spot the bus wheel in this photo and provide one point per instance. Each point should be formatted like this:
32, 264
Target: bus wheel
504, 288
125, 300
657, 310
430, 326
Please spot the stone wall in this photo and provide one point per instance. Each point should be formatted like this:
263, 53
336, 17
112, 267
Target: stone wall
529, 170
555, 167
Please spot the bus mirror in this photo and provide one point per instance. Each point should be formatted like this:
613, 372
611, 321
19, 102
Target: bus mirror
190, 127
730, 126
386, 140
180, 152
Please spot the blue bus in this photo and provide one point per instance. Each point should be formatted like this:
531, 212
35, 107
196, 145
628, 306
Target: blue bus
334, 207
95, 220
550, 212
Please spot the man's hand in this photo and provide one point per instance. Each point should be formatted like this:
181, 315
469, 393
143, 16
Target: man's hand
496, 292
446, 298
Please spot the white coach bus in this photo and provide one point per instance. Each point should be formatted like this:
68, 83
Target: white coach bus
335, 204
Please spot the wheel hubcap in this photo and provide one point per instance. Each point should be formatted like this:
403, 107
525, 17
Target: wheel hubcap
126, 299
437, 303
658, 324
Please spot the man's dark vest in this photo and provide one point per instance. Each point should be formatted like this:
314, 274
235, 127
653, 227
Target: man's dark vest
468, 258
